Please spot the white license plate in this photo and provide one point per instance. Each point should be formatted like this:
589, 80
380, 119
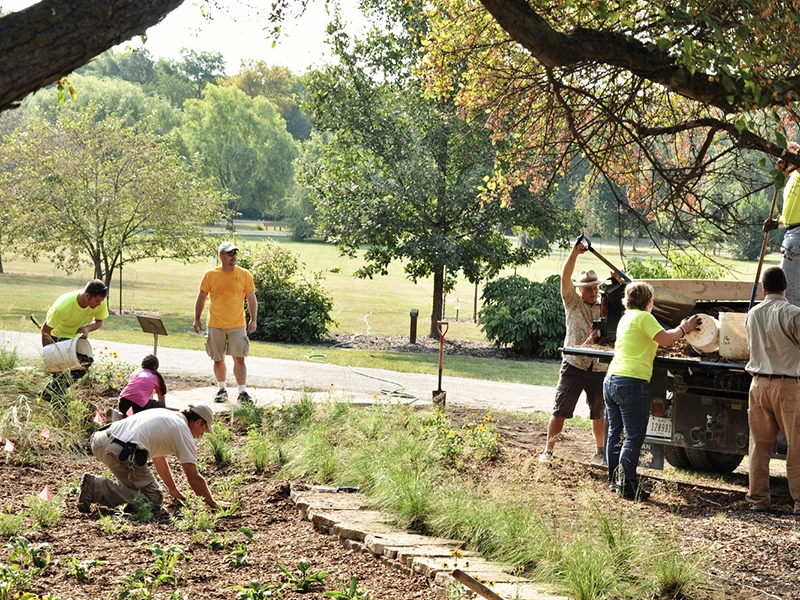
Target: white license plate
659, 427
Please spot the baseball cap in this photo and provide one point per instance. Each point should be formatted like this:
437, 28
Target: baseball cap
226, 247
204, 412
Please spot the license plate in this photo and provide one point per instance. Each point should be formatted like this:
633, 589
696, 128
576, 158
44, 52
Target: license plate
659, 427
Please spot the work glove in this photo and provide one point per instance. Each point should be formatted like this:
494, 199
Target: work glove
770, 225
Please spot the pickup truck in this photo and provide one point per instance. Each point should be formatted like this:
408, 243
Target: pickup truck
698, 413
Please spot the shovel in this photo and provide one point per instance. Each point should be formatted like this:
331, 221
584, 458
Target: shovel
669, 306
763, 252
439, 395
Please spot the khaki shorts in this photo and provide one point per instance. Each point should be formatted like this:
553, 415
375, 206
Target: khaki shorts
232, 342
571, 382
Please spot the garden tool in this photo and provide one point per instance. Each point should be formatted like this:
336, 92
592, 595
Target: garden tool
473, 584
763, 252
439, 395
669, 306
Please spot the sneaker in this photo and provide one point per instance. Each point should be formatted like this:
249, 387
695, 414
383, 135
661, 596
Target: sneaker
598, 459
222, 396
85, 498
244, 398
546, 457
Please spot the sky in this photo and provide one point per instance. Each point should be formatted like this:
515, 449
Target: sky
237, 33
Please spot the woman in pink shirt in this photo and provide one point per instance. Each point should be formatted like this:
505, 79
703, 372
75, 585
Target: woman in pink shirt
138, 394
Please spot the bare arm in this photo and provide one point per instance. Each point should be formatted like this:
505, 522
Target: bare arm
162, 468
667, 337
93, 326
198, 484
199, 305
569, 267
47, 338
252, 307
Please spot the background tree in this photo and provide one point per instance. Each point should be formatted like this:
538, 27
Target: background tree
244, 146
98, 190
112, 96
401, 173
279, 86
201, 68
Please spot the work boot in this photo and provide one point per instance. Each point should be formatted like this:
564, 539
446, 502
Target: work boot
244, 398
85, 498
222, 396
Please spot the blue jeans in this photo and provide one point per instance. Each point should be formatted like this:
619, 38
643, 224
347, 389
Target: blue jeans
627, 412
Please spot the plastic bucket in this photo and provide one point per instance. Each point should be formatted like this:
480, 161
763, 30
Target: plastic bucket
732, 336
705, 339
63, 356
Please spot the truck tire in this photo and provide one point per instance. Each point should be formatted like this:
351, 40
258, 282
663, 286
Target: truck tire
713, 462
676, 456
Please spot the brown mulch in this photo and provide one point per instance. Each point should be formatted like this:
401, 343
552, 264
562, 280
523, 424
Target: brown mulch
745, 555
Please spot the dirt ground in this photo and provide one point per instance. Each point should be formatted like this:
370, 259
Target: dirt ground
748, 555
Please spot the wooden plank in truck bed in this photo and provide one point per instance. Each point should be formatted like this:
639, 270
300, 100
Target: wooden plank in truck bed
710, 289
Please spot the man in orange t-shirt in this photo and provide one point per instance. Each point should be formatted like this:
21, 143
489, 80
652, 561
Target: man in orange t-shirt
227, 287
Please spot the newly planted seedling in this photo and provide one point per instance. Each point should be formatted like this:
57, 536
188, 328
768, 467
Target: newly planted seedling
257, 591
349, 592
80, 569
238, 558
27, 556
303, 578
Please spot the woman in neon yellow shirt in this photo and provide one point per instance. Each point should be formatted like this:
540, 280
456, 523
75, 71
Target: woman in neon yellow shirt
626, 388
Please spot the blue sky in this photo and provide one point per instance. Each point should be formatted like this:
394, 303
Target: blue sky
237, 33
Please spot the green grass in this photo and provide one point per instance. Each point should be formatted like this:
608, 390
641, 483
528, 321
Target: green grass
380, 306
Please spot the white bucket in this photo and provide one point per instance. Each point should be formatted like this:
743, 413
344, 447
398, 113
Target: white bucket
705, 339
732, 336
63, 356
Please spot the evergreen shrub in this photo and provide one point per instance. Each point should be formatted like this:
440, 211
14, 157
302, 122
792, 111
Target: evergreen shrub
524, 314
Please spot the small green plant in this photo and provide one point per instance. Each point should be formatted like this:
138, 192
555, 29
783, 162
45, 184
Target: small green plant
45, 513
258, 450
27, 556
9, 357
257, 591
195, 515
302, 579
80, 569
114, 524
142, 508
349, 592
167, 559
108, 372
238, 558
10, 524
219, 541
219, 443
12, 579
248, 416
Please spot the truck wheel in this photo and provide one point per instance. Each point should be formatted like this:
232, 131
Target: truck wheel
676, 456
713, 462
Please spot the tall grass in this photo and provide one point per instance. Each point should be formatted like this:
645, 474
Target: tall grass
583, 551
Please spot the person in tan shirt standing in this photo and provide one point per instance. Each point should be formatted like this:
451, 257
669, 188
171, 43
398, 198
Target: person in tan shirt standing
578, 373
227, 287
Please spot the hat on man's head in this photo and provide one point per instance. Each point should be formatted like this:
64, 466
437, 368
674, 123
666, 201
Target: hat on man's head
204, 412
226, 247
587, 279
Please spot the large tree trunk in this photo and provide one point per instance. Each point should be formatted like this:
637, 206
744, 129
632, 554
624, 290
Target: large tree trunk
49, 40
438, 300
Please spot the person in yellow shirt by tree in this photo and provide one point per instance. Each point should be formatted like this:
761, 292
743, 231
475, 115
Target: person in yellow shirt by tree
226, 287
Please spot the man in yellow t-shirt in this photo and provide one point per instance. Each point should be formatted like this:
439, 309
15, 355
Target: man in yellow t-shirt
790, 218
73, 314
227, 287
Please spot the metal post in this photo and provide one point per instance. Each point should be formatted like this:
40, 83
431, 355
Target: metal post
413, 333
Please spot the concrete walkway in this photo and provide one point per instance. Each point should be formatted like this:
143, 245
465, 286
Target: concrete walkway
273, 381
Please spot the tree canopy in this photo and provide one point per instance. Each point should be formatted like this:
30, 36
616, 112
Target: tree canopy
661, 99
243, 145
397, 171
80, 188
